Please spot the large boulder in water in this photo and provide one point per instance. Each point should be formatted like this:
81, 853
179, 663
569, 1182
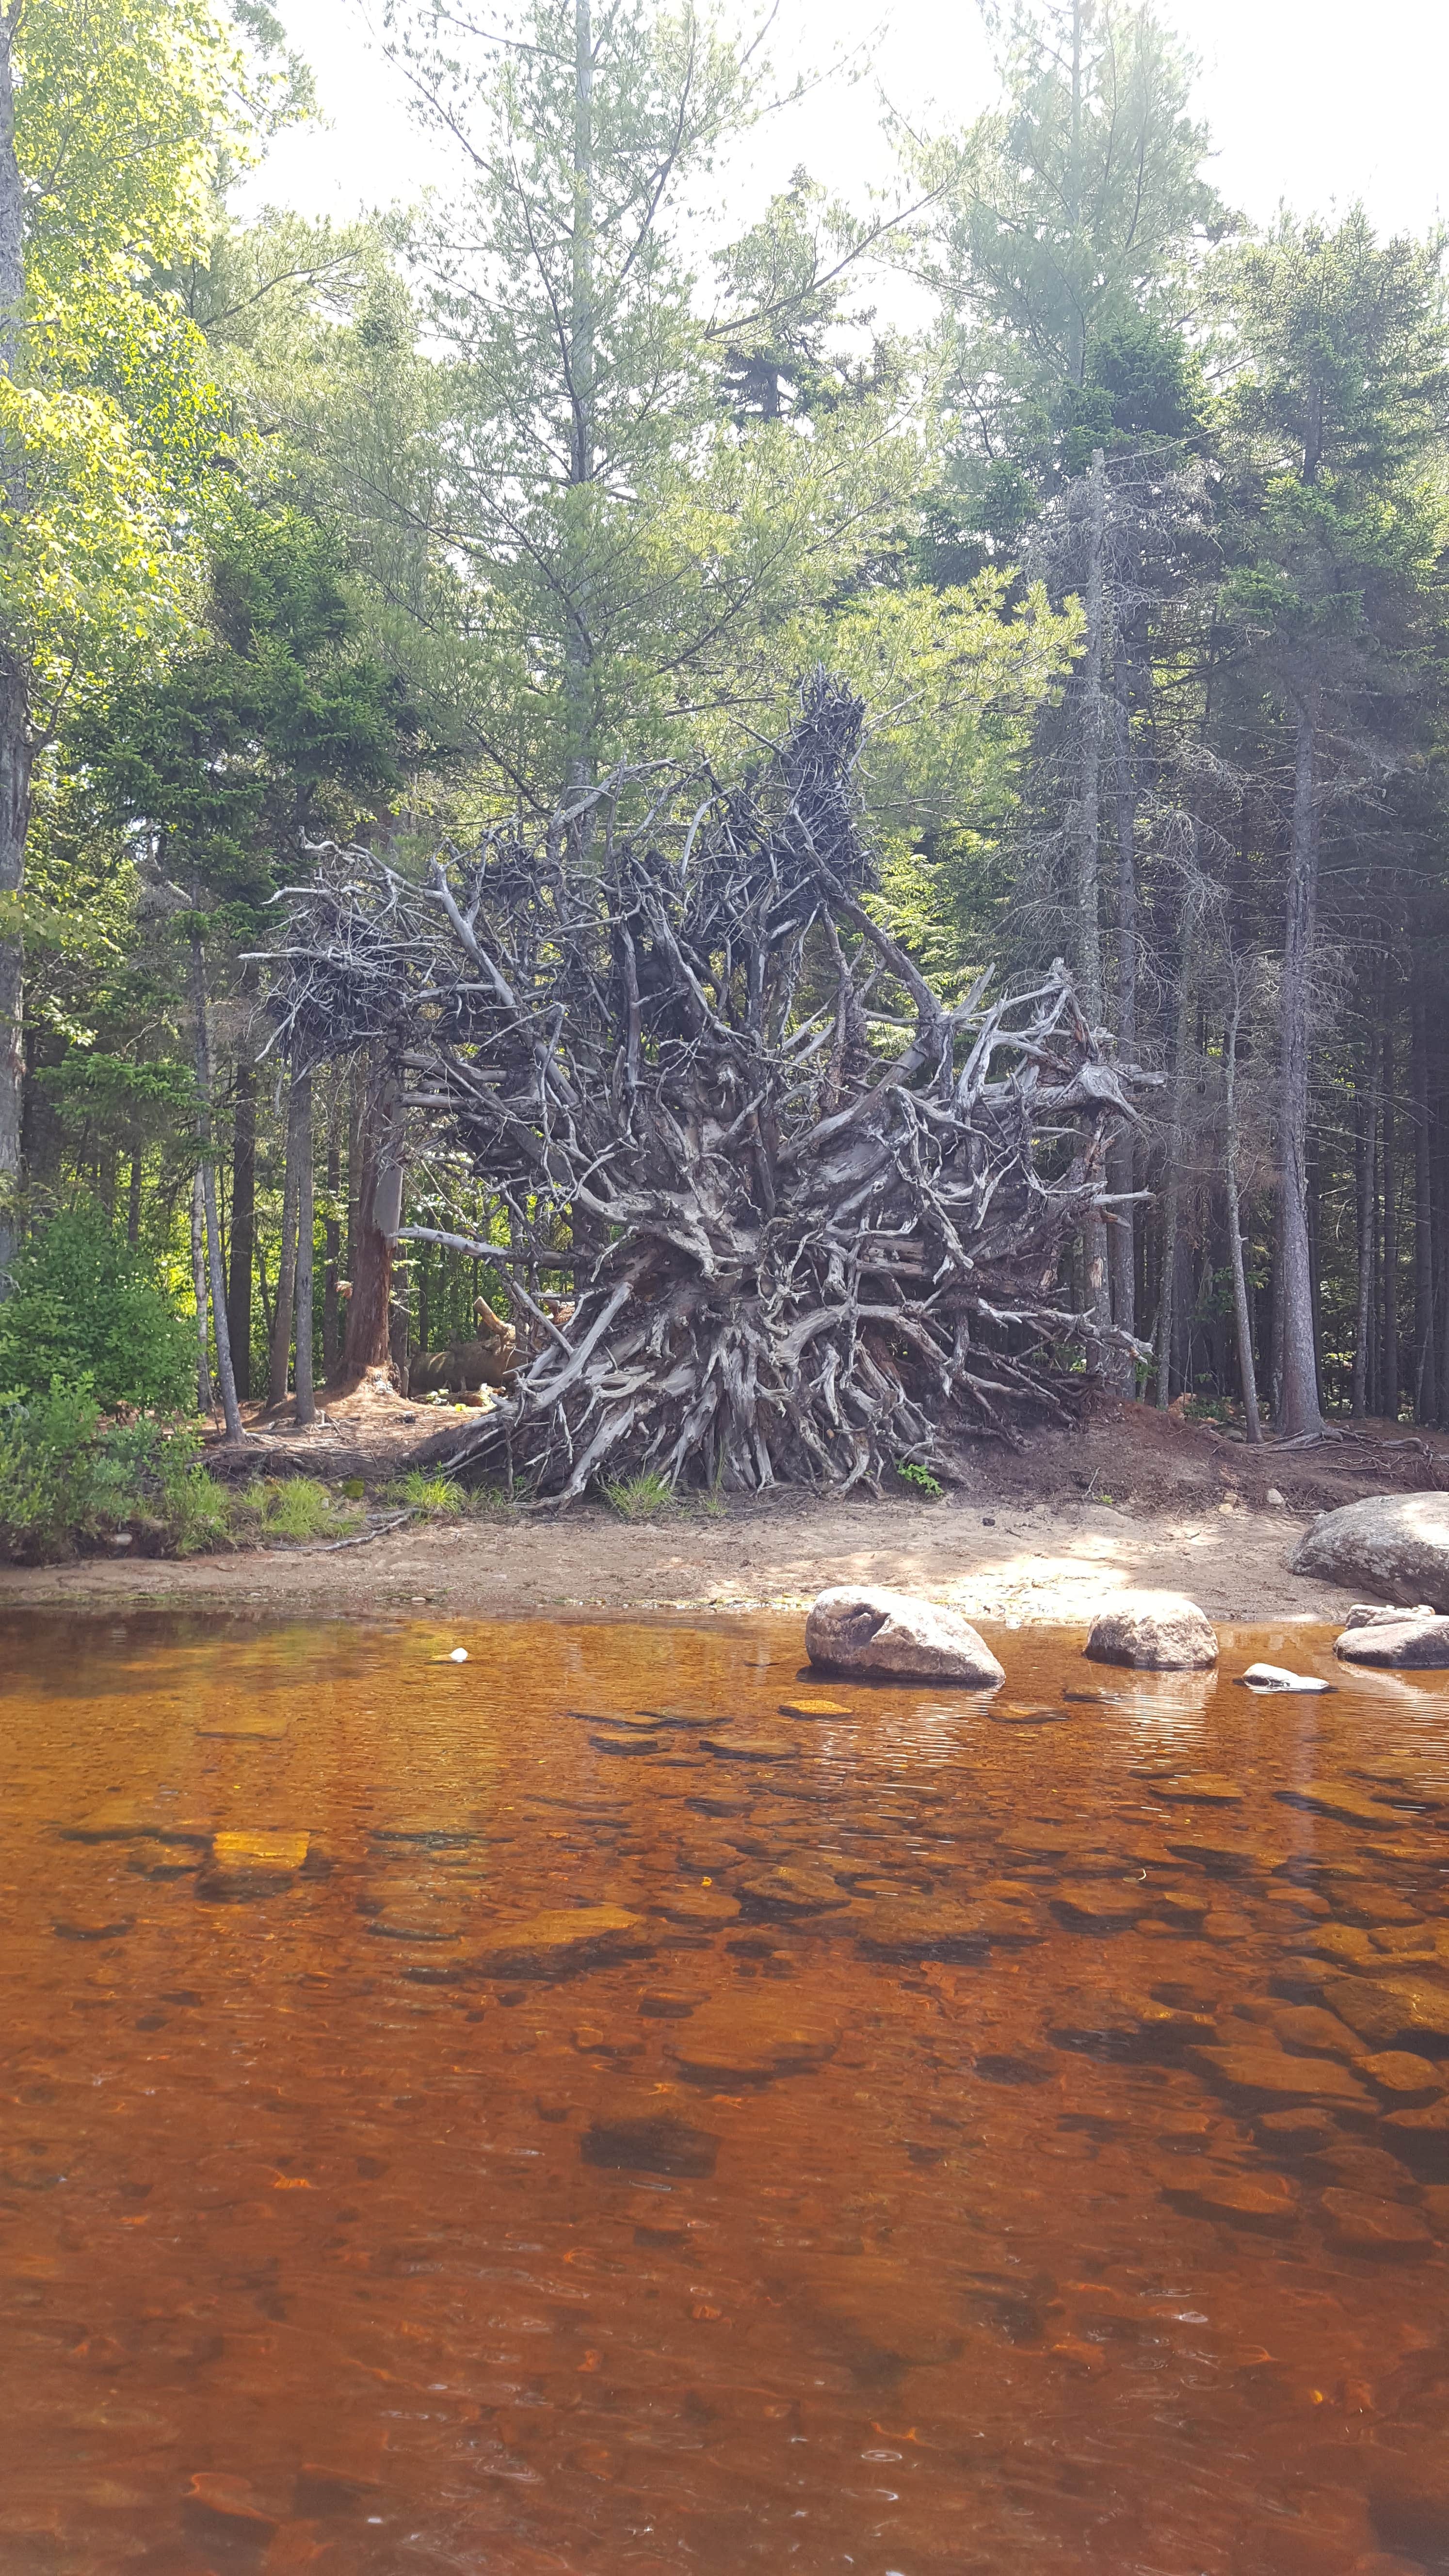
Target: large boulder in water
1413, 1640
1394, 1546
1155, 1632
859, 1629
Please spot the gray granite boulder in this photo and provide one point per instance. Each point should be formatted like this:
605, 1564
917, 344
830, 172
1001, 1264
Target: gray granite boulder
856, 1628
1395, 1546
1156, 1632
1414, 1640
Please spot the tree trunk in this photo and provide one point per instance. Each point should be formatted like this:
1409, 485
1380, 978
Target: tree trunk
1246, 1377
281, 1354
1088, 837
202, 1041
1301, 1412
379, 1214
332, 1236
1389, 1365
1426, 1394
306, 1215
243, 1227
16, 751
1122, 1162
1365, 1143
578, 644
1167, 1293
204, 1398
133, 1189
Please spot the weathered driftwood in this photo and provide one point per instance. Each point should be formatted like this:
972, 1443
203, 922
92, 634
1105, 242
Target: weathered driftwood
815, 1215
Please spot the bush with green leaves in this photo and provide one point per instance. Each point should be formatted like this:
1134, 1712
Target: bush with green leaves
86, 1312
47, 1461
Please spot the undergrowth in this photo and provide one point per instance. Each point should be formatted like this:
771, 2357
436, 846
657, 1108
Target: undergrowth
641, 1497
433, 1494
293, 1507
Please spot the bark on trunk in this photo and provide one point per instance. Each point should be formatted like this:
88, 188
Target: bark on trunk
133, 1192
15, 745
332, 1236
1088, 837
204, 1398
1389, 1364
1246, 1375
1426, 1393
1365, 1157
215, 1272
1121, 1235
1167, 1292
379, 1214
306, 1396
243, 1227
281, 1352
1301, 1413
15, 760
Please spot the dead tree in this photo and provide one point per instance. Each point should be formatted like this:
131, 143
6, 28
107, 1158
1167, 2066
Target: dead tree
815, 1214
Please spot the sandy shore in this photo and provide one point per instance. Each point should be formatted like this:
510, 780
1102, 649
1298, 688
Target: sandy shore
1033, 1562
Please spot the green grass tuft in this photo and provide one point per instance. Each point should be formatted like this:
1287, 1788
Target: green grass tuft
642, 1497
431, 1494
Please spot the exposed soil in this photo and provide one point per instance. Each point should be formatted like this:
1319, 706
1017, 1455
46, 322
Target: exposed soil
1136, 1496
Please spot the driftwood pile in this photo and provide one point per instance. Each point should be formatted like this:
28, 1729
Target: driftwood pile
814, 1216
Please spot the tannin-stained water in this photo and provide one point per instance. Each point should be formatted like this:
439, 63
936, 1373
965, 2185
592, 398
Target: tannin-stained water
352, 2220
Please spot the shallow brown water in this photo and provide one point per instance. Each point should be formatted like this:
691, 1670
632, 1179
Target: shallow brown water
334, 2227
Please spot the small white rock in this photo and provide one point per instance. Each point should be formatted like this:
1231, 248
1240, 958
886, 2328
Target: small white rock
1274, 1496
459, 1655
1276, 1677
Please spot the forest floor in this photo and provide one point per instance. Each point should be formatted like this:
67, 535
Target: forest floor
1035, 1535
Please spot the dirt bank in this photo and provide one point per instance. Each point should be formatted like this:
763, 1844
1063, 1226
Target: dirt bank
1036, 1537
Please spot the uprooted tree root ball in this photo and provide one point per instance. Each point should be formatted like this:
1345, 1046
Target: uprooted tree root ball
815, 1214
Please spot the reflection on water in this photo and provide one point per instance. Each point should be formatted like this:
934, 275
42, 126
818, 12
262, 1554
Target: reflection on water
561, 2113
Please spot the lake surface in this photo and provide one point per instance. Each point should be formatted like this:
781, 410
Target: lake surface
354, 2220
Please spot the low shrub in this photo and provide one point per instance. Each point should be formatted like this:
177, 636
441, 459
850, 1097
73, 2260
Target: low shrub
66, 1477
85, 1311
47, 1466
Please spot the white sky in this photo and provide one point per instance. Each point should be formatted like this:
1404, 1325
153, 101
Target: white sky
1312, 101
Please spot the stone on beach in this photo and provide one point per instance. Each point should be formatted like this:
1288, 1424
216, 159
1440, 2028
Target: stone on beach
1155, 1632
1395, 1546
862, 1629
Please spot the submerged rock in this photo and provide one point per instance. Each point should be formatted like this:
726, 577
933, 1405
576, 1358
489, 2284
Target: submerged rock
789, 1892
1395, 1546
1359, 2224
1155, 1632
1271, 2075
260, 1864
858, 1629
1266, 2202
750, 2037
649, 2140
555, 1943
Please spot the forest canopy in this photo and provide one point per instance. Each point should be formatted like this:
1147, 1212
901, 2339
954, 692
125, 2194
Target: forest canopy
1127, 533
